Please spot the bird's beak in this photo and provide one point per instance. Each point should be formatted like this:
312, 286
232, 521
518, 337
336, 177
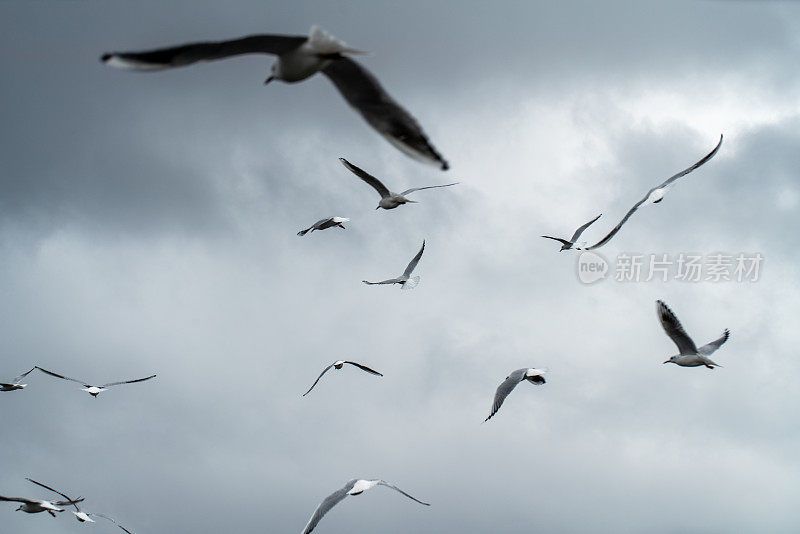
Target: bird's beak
269, 80
378, 208
666, 361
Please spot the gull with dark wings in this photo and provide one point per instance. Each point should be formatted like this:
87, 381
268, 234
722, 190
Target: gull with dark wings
655, 195
338, 364
534, 376
324, 224
299, 57
353, 487
15, 384
566, 245
81, 516
405, 280
389, 200
689, 355
94, 391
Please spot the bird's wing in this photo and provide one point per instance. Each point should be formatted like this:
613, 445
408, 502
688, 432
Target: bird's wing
414, 261
127, 381
504, 389
384, 483
390, 281
330, 501
580, 230
687, 170
18, 379
17, 499
110, 519
562, 241
364, 93
179, 56
365, 368
317, 380
614, 230
51, 373
69, 500
710, 348
668, 181
407, 191
367, 177
672, 326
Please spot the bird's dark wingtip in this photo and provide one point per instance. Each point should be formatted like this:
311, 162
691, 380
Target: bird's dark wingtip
105, 57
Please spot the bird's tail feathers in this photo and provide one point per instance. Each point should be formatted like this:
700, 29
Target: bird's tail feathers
324, 43
411, 283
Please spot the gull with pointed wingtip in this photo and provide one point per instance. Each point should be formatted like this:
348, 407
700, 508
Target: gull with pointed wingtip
690, 355
404, 279
338, 364
299, 57
32, 506
655, 195
389, 200
94, 391
15, 384
534, 376
566, 245
80, 515
353, 487
323, 224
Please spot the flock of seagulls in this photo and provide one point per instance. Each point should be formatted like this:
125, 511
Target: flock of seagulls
298, 58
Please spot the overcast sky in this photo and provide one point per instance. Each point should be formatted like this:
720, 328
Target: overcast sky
148, 221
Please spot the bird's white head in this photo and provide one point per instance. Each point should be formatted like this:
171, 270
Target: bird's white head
93, 390
656, 196
338, 364
341, 219
361, 486
672, 359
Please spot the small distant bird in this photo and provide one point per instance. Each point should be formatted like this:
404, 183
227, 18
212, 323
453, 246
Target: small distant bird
656, 195
534, 376
404, 280
690, 355
338, 364
81, 516
94, 390
389, 200
15, 384
322, 224
566, 245
31, 506
298, 58
354, 487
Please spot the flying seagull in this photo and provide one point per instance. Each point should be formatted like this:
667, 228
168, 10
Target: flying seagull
690, 355
31, 506
566, 245
322, 224
15, 384
354, 487
298, 58
94, 390
534, 376
389, 200
338, 365
656, 195
81, 516
404, 280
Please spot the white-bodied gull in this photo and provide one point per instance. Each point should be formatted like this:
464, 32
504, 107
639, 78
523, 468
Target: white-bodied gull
80, 515
15, 384
534, 376
566, 245
94, 391
338, 364
689, 355
389, 200
354, 487
298, 58
404, 280
33, 506
323, 224
655, 195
